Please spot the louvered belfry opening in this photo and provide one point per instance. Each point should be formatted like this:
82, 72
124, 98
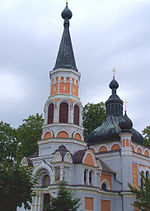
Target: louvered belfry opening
50, 113
76, 115
63, 113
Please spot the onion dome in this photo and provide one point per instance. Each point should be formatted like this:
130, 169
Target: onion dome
109, 130
125, 124
113, 84
66, 13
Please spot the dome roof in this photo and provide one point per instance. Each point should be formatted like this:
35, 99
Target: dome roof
110, 131
66, 13
125, 123
113, 84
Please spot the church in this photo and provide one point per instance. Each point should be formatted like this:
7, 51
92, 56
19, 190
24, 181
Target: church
96, 170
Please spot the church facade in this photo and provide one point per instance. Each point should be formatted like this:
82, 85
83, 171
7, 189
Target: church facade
96, 170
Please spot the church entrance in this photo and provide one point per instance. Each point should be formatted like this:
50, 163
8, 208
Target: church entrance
46, 201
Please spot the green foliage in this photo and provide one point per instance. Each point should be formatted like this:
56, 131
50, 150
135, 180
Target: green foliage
8, 142
28, 134
16, 185
146, 134
93, 116
142, 195
64, 200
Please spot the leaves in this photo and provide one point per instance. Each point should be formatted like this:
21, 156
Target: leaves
93, 116
64, 200
146, 133
142, 194
16, 183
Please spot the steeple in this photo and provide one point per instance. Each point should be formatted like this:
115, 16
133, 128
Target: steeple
65, 57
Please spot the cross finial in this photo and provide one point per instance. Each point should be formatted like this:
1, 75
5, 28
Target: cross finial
125, 103
67, 2
114, 73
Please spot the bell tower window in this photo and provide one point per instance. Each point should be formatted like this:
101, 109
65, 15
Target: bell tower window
76, 115
63, 113
50, 113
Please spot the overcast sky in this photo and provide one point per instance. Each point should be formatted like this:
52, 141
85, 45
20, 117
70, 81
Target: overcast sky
105, 34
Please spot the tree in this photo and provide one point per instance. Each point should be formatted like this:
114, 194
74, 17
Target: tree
16, 185
28, 134
146, 133
8, 142
142, 194
64, 200
93, 116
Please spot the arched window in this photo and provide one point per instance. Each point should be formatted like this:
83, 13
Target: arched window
147, 174
63, 113
104, 186
85, 177
76, 115
46, 181
50, 113
142, 179
90, 177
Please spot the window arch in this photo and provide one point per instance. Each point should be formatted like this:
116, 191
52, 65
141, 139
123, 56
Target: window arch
76, 115
104, 186
147, 174
142, 179
50, 113
63, 113
46, 181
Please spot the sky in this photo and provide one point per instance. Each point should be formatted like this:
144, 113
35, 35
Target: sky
106, 34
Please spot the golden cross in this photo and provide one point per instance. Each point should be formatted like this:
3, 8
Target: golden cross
114, 71
125, 103
66, 1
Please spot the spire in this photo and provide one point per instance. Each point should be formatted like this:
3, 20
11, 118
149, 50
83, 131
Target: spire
65, 57
114, 105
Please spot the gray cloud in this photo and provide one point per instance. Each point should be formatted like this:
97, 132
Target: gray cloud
105, 34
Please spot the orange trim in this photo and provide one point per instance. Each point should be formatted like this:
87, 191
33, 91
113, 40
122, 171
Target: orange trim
135, 175
54, 87
105, 205
78, 137
62, 134
92, 149
146, 153
127, 143
123, 143
103, 149
89, 160
89, 203
115, 147
132, 148
47, 135
64, 87
139, 151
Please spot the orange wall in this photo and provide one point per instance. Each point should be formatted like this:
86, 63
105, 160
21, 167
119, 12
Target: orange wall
78, 137
89, 160
102, 149
62, 134
89, 203
135, 175
47, 135
105, 205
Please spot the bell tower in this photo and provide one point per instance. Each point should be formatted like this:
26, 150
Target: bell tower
63, 109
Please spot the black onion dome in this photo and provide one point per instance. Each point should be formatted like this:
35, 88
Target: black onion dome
66, 13
125, 123
113, 84
110, 130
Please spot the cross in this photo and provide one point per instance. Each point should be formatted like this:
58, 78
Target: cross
66, 1
125, 103
114, 71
